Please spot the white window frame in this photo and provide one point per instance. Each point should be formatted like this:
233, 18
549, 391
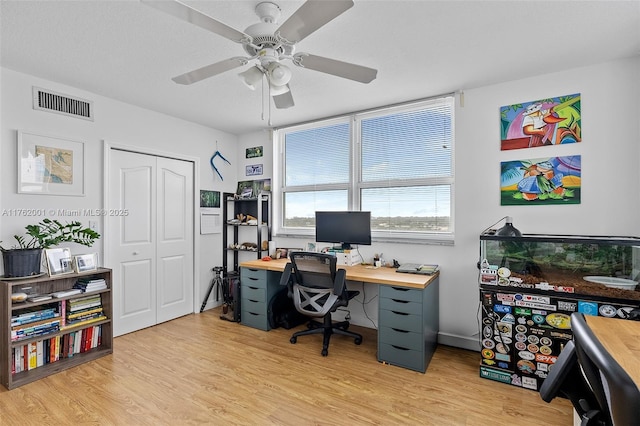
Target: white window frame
355, 184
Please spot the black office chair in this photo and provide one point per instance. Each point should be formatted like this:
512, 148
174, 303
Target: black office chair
616, 392
566, 380
318, 288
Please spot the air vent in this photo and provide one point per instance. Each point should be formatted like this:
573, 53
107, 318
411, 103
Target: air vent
46, 100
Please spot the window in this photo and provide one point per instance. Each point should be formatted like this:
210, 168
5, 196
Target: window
396, 163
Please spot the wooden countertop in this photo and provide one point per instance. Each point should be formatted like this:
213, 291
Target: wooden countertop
385, 276
622, 339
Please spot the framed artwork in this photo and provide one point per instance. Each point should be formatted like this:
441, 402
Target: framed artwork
555, 180
86, 262
251, 188
553, 121
254, 152
209, 198
253, 170
58, 261
50, 165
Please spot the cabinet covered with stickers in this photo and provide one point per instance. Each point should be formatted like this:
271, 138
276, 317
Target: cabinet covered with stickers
530, 286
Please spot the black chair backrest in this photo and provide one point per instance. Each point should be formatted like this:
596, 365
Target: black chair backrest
314, 269
615, 390
566, 379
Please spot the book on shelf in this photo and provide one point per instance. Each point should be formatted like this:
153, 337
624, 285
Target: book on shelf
84, 303
50, 326
32, 316
73, 324
87, 285
66, 293
39, 298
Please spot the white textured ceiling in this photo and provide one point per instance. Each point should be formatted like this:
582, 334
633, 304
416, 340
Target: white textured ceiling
128, 51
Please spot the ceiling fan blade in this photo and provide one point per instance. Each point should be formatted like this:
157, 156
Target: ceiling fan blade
210, 70
312, 15
189, 14
284, 100
335, 67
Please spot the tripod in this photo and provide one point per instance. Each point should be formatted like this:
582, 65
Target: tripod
216, 281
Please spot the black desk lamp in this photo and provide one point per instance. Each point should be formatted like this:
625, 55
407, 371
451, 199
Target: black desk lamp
508, 230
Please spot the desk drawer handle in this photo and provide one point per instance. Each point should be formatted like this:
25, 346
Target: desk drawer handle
400, 289
251, 313
254, 270
400, 313
252, 301
400, 301
252, 288
400, 348
399, 331
253, 279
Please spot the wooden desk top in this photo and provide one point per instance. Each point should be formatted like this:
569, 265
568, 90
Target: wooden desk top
622, 339
385, 276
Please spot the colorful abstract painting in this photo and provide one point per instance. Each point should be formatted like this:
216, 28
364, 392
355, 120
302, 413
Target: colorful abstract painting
555, 180
544, 122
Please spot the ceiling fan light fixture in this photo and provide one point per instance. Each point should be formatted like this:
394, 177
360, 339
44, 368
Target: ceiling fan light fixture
279, 75
251, 77
278, 90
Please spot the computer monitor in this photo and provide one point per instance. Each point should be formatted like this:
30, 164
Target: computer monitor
343, 227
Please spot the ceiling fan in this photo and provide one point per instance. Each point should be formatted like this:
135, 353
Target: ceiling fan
268, 44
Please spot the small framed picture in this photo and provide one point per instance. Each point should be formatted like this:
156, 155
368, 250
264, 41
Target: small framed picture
311, 247
58, 261
86, 262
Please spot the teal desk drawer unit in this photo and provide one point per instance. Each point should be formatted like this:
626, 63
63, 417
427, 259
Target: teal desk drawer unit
408, 322
257, 287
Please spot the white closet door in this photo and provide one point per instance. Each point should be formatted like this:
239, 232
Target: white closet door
175, 239
151, 247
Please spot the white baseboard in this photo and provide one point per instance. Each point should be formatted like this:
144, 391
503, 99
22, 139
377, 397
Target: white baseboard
463, 342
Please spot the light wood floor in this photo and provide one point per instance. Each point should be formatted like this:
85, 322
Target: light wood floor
201, 370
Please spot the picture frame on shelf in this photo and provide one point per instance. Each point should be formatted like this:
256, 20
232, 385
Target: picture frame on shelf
50, 165
85, 262
59, 261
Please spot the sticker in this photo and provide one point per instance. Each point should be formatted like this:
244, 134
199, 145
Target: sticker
502, 348
624, 312
561, 321
522, 320
487, 321
538, 319
533, 348
607, 311
542, 366
567, 306
521, 328
533, 339
526, 366
499, 376
503, 357
520, 346
503, 365
488, 343
509, 318
526, 355
545, 350
547, 359
523, 311
516, 380
529, 383
504, 272
545, 341
488, 354
489, 361
535, 305
487, 332
502, 309
588, 308
506, 340
505, 297
504, 328
521, 337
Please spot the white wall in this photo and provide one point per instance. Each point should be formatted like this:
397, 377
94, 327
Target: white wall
116, 123
610, 203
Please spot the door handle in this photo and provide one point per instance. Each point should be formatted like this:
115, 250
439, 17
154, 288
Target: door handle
135, 253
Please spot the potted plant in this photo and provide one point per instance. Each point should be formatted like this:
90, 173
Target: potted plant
25, 258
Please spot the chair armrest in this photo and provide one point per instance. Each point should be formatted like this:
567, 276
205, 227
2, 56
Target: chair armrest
340, 282
286, 275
